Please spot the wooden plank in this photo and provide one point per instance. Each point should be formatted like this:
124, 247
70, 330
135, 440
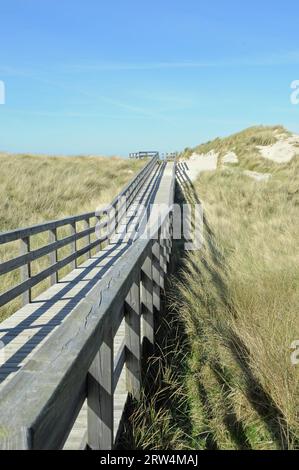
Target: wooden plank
119, 364
86, 226
100, 397
53, 255
132, 339
163, 259
147, 306
73, 245
25, 271
156, 275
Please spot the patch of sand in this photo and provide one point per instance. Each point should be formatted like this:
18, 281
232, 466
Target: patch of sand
283, 150
200, 162
230, 157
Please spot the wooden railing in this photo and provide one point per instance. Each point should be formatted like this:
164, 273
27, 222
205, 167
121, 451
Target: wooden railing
77, 362
171, 156
144, 154
91, 221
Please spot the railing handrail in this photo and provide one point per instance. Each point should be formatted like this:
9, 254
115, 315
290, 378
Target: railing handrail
18, 233
144, 153
40, 403
28, 281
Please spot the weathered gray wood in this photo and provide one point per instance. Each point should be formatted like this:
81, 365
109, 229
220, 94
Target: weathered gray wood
26, 256
163, 262
25, 271
33, 255
132, 339
163, 259
100, 397
53, 385
86, 225
18, 439
53, 255
17, 234
147, 306
73, 245
32, 281
53, 382
156, 274
119, 363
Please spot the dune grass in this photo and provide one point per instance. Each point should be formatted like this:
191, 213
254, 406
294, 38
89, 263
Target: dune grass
36, 189
244, 144
236, 301
240, 304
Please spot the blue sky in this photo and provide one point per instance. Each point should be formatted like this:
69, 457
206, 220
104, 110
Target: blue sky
98, 77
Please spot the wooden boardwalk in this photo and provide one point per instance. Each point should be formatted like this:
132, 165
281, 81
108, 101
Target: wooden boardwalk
26, 331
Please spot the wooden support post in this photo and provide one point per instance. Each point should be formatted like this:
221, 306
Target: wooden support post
166, 244
73, 244
86, 225
156, 274
132, 340
100, 397
98, 233
147, 301
170, 234
25, 271
53, 256
163, 263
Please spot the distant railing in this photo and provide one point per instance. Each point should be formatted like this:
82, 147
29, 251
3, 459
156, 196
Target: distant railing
171, 156
145, 154
77, 362
168, 156
91, 221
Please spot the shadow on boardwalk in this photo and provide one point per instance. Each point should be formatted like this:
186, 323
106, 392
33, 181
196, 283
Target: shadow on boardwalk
33, 320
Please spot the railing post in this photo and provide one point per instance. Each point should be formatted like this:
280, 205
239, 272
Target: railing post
98, 232
163, 265
53, 255
100, 397
170, 231
164, 244
86, 225
167, 243
73, 244
25, 271
156, 273
168, 236
133, 340
146, 299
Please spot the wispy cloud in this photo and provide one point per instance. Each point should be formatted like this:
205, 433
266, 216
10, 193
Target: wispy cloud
289, 57
271, 58
70, 114
94, 97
